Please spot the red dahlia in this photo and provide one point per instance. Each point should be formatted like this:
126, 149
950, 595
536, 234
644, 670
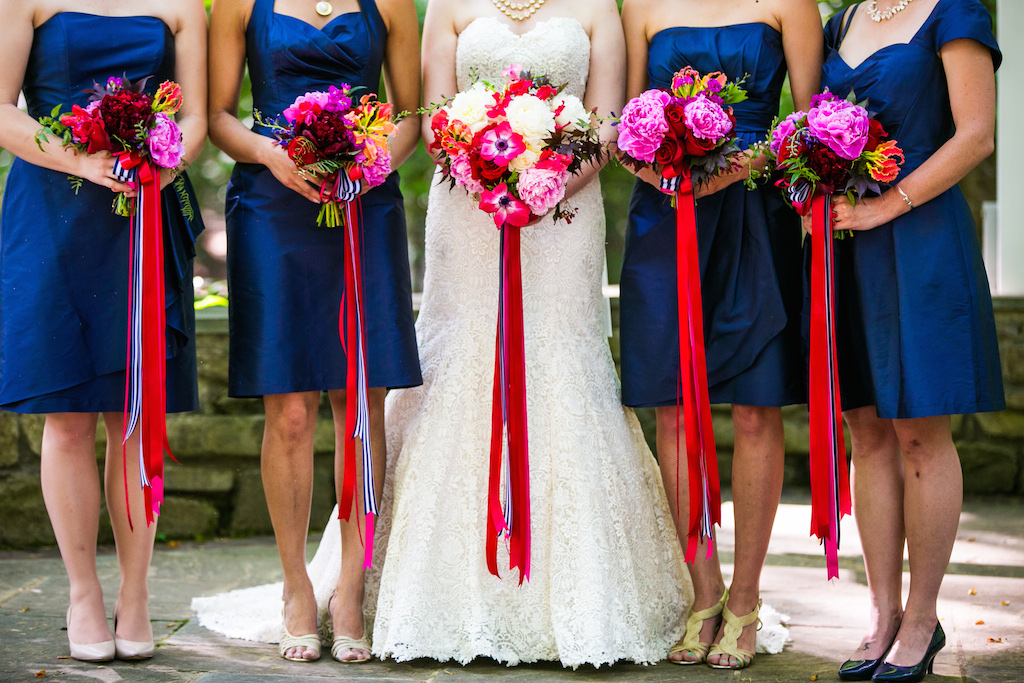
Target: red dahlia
123, 111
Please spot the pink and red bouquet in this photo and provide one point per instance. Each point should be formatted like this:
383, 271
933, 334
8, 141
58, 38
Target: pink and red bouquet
121, 118
688, 126
834, 148
339, 142
514, 146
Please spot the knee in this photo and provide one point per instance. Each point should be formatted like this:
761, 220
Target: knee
919, 443
292, 419
669, 420
67, 429
755, 421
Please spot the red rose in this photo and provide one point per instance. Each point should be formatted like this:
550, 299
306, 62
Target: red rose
875, 135
302, 152
674, 114
490, 170
696, 147
86, 129
669, 153
437, 127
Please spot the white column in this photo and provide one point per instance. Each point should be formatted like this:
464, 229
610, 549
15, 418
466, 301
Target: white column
1009, 266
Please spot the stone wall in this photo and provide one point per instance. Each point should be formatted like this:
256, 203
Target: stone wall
217, 490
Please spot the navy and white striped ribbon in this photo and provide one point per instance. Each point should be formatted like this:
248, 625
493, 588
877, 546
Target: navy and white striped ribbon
670, 185
361, 429
346, 189
130, 176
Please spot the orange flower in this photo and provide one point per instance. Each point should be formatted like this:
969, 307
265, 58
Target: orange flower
168, 98
884, 162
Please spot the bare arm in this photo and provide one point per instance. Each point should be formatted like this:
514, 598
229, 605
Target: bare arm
228, 21
804, 45
440, 39
972, 95
606, 87
190, 73
402, 75
17, 128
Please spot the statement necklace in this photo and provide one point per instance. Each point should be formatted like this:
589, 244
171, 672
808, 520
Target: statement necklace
518, 11
324, 8
884, 15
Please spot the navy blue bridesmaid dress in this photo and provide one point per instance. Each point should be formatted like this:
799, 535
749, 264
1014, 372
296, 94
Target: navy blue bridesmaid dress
749, 244
915, 330
285, 273
64, 257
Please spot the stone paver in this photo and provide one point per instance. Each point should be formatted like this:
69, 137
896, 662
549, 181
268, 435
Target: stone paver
982, 604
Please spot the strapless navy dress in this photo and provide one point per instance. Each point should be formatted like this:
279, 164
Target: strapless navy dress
749, 244
64, 257
285, 274
915, 330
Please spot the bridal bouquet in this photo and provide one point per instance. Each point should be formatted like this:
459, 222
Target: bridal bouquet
687, 129
834, 147
515, 146
121, 118
337, 141
687, 133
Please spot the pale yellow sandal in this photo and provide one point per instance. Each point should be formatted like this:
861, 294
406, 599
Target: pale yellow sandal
340, 644
309, 641
729, 645
690, 644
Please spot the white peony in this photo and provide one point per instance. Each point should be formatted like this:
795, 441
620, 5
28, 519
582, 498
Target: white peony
525, 160
572, 113
470, 107
532, 118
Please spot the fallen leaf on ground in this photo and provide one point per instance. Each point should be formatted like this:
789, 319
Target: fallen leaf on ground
64, 657
173, 544
995, 640
41, 673
979, 622
814, 677
1005, 603
24, 609
972, 592
971, 540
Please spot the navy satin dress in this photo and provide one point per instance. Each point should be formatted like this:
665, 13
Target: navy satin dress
64, 258
749, 244
285, 274
915, 329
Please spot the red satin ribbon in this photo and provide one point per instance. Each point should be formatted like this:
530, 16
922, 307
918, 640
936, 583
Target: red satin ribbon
147, 226
830, 483
702, 462
352, 327
510, 351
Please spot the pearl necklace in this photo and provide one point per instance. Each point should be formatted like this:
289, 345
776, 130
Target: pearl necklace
518, 11
884, 15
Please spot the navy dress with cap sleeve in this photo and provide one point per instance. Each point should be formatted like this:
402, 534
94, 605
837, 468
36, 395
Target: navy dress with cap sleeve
915, 329
64, 256
286, 274
749, 244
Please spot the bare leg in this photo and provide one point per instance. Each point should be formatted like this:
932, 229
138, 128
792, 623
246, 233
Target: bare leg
705, 572
287, 467
347, 608
878, 506
932, 499
757, 471
134, 547
71, 491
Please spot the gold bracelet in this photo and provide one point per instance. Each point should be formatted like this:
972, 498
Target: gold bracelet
905, 197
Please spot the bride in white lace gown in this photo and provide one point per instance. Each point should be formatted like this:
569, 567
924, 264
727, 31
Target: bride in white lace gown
607, 580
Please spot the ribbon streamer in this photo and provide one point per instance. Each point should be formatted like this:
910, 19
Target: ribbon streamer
830, 483
509, 439
145, 395
352, 329
692, 390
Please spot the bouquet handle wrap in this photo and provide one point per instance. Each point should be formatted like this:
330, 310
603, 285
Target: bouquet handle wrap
145, 396
509, 438
830, 483
702, 462
352, 328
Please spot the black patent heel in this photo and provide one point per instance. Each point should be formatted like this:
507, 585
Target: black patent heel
913, 674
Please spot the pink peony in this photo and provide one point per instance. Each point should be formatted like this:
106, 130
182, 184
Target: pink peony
462, 171
542, 188
643, 125
706, 119
785, 129
376, 173
841, 125
307, 108
165, 143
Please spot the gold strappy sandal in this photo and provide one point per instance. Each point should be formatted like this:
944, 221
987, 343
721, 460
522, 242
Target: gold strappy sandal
729, 645
310, 641
691, 639
340, 644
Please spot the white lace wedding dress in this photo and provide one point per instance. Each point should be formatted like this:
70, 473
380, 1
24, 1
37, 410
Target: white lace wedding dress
607, 580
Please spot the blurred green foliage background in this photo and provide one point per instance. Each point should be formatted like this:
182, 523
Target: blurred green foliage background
211, 172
